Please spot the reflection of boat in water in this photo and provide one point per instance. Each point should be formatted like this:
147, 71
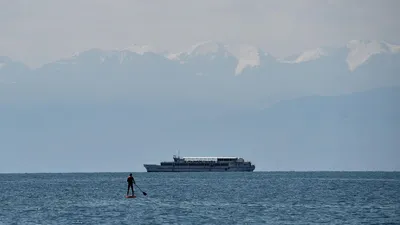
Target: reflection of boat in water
202, 164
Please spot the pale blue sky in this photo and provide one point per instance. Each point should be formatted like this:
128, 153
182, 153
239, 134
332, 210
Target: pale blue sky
40, 31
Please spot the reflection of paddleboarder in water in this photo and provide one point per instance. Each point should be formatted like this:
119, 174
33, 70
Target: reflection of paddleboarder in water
130, 181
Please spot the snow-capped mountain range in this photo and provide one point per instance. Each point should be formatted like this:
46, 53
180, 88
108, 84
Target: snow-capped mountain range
240, 70
358, 52
245, 56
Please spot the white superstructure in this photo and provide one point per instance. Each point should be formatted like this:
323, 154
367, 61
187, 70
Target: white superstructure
206, 159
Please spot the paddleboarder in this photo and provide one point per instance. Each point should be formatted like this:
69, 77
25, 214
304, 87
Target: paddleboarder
130, 181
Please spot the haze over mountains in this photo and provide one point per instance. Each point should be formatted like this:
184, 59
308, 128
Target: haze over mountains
214, 99
225, 71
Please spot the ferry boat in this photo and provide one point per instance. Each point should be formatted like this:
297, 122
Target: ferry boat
202, 164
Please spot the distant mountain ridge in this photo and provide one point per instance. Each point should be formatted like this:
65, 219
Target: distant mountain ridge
245, 55
207, 71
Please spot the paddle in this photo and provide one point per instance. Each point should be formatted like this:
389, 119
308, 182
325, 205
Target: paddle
144, 193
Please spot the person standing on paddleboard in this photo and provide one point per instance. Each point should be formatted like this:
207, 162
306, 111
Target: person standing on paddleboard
130, 181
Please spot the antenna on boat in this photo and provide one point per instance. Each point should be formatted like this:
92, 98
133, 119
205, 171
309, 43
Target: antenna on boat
175, 156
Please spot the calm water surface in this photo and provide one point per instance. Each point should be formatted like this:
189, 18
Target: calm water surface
202, 198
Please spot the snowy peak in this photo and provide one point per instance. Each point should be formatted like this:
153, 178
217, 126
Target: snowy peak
247, 56
358, 53
121, 55
206, 48
136, 49
202, 49
141, 49
361, 51
311, 55
81, 57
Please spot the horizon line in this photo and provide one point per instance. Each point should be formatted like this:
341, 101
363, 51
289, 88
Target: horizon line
257, 171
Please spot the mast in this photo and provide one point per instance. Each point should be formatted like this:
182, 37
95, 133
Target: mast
175, 156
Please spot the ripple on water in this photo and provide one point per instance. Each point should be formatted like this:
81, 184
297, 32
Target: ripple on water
202, 198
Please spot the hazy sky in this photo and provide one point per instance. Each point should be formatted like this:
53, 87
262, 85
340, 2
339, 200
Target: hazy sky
81, 117
40, 31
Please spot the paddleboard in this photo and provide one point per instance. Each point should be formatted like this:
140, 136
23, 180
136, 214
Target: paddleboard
129, 196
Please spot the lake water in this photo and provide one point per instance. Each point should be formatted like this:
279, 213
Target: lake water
202, 198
